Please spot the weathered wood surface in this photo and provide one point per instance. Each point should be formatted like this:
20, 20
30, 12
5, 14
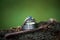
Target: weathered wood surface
44, 31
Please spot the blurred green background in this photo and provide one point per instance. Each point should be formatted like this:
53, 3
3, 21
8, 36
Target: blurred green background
13, 12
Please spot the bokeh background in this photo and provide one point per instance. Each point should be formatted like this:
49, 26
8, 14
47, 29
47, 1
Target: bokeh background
13, 12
